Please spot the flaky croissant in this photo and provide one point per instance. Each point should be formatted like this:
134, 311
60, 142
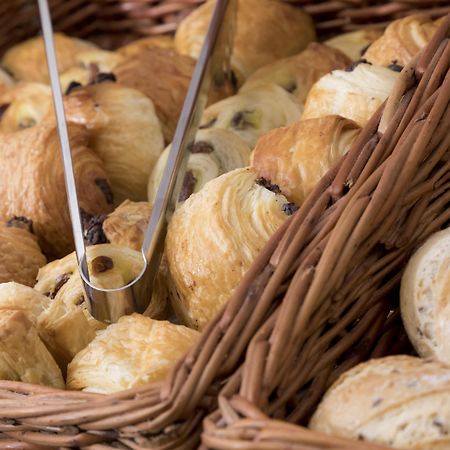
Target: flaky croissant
355, 93
252, 113
135, 351
265, 31
37, 190
214, 237
20, 254
298, 73
27, 62
139, 45
124, 131
297, 157
213, 153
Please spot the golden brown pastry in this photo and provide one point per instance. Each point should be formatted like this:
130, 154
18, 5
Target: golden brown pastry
27, 62
265, 31
253, 113
213, 153
297, 157
32, 183
6, 82
24, 106
402, 40
398, 401
214, 237
137, 46
23, 356
355, 94
20, 254
298, 73
132, 352
425, 298
355, 43
124, 132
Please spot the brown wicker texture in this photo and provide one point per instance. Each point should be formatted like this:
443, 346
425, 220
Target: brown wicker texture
320, 298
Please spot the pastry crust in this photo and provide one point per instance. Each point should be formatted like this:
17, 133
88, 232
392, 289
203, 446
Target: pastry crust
425, 295
213, 153
135, 351
27, 62
298, 73
297, 157
214, 237
253, 113
37, 190
265, 31
20, 254
398, 401
139, 45
23, 356
355, 94
6, 82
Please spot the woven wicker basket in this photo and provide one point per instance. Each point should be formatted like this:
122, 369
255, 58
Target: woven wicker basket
321, 297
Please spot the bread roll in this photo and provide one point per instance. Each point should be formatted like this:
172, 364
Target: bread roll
213, 153
355, 94
135, 351
297, 157
253, 113
145, 43
425, 298
398, 401
20, 254
265, 31
298, 73
214, 237
32, 183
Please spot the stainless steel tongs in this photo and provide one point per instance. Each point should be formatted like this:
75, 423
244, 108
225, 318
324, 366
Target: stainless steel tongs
213, 64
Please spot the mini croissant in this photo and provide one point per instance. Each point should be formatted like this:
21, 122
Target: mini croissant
37, 190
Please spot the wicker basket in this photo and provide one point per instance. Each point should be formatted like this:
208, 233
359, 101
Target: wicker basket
321, 297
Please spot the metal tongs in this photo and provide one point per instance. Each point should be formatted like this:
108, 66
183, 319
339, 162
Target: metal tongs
212, 67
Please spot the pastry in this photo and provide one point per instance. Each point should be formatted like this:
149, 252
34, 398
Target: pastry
355, 43
135, 351
297, 157
20, 254
214, 237
124, 131
253, 113
213, 153
27, 61
6, 81
401, 41
298, 73
138, 45
425, 298
355, 93
397, 401
23, 356
32, 183
265, 31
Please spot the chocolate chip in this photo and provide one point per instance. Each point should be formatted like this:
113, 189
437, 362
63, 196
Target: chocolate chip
290, 208
239, 120
93, 229
188, 186
103, 77
106, 189
268, 185
72, 87
3, 109
201, 147
208, 124
355, 64
60, 282
395, 67
102, 264
20, 222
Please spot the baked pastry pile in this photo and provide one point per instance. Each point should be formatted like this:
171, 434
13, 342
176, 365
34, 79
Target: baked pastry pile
291, 111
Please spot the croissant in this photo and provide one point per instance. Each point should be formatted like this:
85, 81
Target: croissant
402, 40
297, 157
124, 132
355, 93
265, 31
37, 190
138, 45
20, 254
23, 356
134, 351
27, 61
213, 153
298, 73
6, 82
214, 237
252, 113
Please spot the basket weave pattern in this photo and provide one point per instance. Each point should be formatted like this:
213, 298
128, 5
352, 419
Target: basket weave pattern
320, 298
